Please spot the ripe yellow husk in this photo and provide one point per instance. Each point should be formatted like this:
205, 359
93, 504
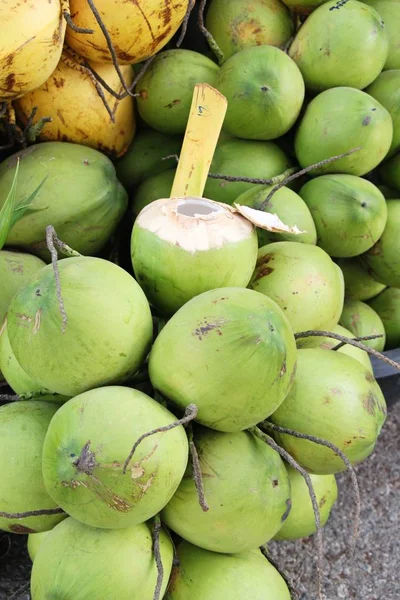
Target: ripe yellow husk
78, 114
31, 40
138, 29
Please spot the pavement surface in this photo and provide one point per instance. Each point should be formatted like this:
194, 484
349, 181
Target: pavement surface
374, 573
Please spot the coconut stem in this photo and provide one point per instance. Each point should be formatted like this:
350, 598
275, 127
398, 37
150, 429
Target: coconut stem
210, 40
157, 556
358, 339
289, 459
32, 513
338, 452
304, 171
86, 461
71, 24
185, 22
237, 178
190, 414
350, 341
32, 131
255, 180
52, 242
110, 45
294, 594
196, 471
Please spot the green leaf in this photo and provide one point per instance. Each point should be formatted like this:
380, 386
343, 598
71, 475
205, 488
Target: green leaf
14, 210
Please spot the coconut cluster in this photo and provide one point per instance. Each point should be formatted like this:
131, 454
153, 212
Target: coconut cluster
185, 375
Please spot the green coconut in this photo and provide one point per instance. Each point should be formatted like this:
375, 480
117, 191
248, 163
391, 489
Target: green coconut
362, 320
240, 24
389, 11
390, 173
387, 306
23, 427
80, 562
347, 407
288, 206
332, 34
107, 335
151, 189
242, 358
303, 7
81, 197
144, 157
16, 377
86, 447
165, 91
328, 343
359, 283
301, 520
204, 575
383, 259
243, 158
349, 213
16, 269
386, 89
34, 542
339, 120
181, 247
246, 488
265, 92
303, 280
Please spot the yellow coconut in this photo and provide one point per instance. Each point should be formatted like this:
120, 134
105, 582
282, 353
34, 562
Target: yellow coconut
70, 97
138, 29
31, 41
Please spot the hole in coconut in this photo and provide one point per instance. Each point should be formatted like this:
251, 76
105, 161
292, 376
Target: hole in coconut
189, 207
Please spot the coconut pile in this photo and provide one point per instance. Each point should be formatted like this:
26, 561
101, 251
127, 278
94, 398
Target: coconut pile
187, 313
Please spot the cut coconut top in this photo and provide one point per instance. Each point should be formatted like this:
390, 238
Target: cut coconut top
194, 223
200, 224
265, 220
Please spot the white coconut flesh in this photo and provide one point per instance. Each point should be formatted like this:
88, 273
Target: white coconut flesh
196, 224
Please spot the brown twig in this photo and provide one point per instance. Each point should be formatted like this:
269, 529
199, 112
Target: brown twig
338, 452
185, 22
289, 459
71, 24
351, 342
190, 414
196, 471
32, 513
306, 170
359, 339
110, 45
157, 556
210, 39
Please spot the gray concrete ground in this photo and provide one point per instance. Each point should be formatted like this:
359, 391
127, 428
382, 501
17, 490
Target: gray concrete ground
375, 574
